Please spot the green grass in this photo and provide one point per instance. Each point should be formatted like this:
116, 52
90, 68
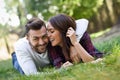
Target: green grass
108, 69
100, 33
108, 47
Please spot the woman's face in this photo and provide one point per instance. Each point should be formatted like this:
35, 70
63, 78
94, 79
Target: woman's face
54, 35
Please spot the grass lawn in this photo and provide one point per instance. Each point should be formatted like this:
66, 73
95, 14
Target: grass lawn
108, 69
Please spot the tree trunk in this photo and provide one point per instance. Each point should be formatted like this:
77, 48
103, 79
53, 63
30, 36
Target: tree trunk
7, 45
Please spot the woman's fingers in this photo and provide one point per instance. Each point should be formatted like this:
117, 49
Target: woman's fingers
67, 64
75, 59
70, 32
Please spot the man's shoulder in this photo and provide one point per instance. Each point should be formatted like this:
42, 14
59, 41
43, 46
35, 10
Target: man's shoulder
81, 27
82, 24
82, 20
22, 43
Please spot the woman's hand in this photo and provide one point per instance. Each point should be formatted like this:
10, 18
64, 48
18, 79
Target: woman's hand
74, 56
66, 64
71, 34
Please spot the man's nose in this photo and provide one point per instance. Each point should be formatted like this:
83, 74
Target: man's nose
41, 41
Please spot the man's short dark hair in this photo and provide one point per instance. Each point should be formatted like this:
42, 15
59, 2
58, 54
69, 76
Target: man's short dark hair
34, 24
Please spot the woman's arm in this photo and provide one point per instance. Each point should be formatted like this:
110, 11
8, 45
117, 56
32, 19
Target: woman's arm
74, 56
87, 44
85, 56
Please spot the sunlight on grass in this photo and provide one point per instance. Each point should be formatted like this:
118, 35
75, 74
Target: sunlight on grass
108, 47
94, 35
84, 71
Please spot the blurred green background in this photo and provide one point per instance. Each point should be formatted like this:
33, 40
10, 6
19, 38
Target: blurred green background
102, 15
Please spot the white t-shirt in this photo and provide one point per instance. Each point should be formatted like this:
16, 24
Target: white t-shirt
81, 27
30, 60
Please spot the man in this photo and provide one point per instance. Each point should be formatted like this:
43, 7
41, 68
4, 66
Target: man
31, 50
34, 51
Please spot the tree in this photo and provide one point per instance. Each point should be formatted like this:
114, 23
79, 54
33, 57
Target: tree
75, 8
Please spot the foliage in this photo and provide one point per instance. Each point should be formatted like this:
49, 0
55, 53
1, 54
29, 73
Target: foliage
84, 71
78, 8
75, 8
35, 7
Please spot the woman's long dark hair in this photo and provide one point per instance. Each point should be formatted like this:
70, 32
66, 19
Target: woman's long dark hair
62, 22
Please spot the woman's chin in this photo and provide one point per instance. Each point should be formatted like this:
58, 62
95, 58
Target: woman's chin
53, 44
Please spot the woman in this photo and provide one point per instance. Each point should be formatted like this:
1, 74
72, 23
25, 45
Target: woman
61, 32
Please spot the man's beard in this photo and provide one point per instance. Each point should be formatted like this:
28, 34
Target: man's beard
35, 48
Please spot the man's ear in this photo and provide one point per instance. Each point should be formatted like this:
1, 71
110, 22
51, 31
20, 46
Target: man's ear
27, 36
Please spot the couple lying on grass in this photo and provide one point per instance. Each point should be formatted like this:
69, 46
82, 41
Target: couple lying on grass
62, 42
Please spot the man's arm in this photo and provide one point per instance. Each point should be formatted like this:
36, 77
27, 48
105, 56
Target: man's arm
81, 27
24, 58
26, 63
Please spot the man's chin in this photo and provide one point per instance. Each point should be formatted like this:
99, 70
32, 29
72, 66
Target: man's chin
42, 51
